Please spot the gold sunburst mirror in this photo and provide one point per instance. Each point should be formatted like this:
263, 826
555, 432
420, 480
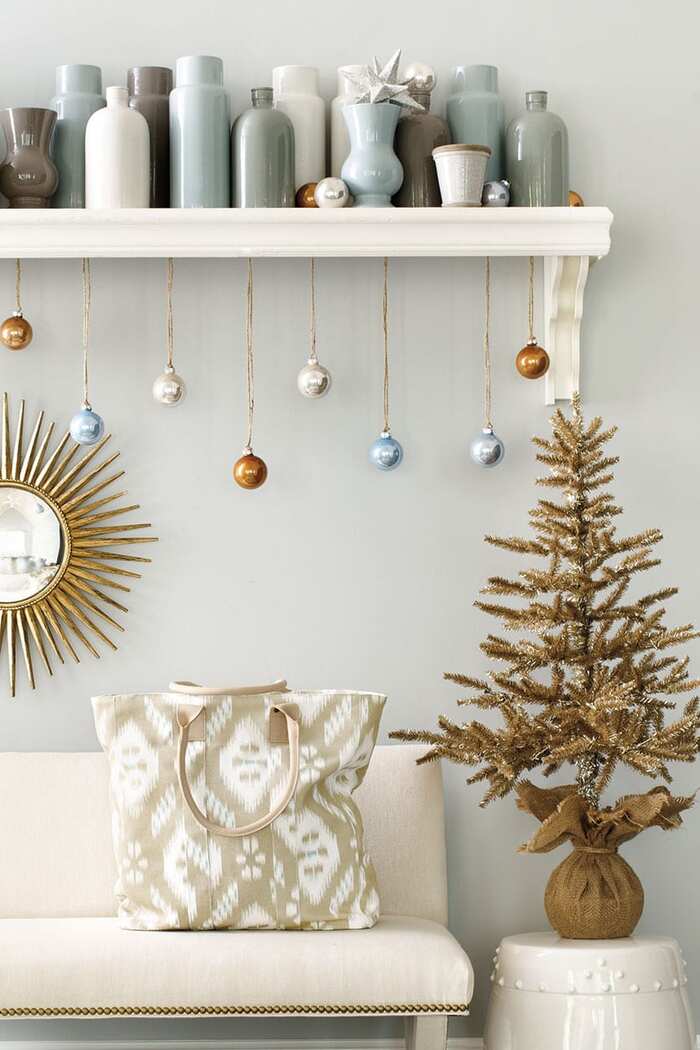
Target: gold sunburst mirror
57, 540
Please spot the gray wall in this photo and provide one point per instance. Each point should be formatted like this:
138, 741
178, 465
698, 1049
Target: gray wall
333, 574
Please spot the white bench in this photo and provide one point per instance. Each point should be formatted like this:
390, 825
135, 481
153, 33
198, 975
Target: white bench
63, 955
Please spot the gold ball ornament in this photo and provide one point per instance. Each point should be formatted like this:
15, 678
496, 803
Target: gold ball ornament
250, 472
16, 332
575, 199
533, 361
305, 195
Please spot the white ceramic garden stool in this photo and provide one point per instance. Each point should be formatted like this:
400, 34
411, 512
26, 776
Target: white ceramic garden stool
554, 994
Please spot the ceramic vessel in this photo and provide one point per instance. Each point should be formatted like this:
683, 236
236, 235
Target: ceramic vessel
418, 133
461, 171
28, 176
537, 156
262, 151
117, 155
296, 93
475, 113
200, 145
149, 90
78, 96
372, 172
340, 140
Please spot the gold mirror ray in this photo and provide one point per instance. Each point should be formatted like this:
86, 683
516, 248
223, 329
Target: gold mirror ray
56, 547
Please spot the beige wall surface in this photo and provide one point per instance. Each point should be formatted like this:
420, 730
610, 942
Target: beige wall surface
334, 574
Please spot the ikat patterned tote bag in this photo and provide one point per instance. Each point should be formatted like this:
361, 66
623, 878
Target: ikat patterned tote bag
233, 808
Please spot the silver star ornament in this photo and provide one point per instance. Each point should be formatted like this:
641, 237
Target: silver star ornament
381, 83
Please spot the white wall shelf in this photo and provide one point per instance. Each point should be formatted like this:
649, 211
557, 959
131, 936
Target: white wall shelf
567, 238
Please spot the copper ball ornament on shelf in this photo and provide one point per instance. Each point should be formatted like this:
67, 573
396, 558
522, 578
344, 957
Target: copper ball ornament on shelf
16, 332
305, 196
169, 388
250, 471
532, 361
575, 199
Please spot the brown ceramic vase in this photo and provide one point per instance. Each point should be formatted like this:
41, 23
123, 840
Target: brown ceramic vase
149, 90
28, 176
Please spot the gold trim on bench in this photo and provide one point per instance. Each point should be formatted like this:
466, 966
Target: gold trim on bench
226, 1011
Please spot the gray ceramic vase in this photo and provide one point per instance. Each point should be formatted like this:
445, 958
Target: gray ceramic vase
476, 116
417, 135
537, 156
199, 135
28, 176
149, 90
372, 172
78, 96
262, 155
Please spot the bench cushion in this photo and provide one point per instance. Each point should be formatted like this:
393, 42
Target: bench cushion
83, 966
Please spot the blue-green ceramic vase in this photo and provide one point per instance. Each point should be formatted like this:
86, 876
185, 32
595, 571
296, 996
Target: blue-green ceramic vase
199, 135
476, 116
78, 96
372, 172
537, 156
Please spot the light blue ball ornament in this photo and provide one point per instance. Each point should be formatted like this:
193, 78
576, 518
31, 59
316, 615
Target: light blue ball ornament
385, 453
487, 450
86, 427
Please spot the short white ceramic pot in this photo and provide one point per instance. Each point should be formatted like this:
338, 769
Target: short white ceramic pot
554, 994
461, 171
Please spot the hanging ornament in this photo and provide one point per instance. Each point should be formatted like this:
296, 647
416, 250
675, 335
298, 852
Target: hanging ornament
16, 332
313, 380
386, 453
169, 388
533, 361
249, 471
487, 449
86, 427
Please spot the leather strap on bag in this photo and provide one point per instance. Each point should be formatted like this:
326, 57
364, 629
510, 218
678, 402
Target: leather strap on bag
186, 715
193, 689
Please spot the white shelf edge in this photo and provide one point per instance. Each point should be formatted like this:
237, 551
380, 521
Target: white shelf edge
293, 233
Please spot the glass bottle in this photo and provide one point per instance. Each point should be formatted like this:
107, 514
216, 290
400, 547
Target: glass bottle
262, 152
417, 134
537, 156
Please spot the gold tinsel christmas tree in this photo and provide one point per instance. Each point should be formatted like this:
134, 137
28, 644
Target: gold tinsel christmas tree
586, 676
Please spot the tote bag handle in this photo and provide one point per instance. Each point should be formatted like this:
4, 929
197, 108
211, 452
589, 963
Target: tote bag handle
186, 715
193, 689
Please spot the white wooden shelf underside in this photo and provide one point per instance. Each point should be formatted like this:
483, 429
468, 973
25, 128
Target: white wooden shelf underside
567, 239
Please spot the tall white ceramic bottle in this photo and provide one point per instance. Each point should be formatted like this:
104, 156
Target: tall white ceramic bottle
117, 155
340, 140
296, 93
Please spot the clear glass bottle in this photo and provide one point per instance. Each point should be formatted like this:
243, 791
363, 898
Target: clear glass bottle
537, 156
262, 152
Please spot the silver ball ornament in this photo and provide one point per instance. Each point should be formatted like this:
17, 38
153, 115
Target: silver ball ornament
385, 453
487, 450
313, 380
331, 193
86, 427
496, 194
423, 77
169, 388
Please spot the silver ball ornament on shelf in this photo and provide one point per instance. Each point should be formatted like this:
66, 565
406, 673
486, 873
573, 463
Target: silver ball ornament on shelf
385, 453
487, 450
496, 194
422, 77
86, 427
313, 380
169, 388
331, 193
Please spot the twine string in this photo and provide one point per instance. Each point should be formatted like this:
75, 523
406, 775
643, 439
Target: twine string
18, 287
487, 346
250, 377
385, 326
169, 313
531, 299
87, 303
313, 357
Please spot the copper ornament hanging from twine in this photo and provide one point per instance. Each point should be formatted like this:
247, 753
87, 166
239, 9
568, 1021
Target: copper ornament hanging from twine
533, 360
249, 471
16, 332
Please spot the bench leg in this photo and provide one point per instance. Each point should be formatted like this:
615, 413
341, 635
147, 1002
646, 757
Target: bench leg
426, 1033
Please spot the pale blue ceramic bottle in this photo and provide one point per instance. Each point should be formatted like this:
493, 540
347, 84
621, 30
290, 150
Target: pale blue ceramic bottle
78, 96
262, 153
476, 116
199, 135
537, 156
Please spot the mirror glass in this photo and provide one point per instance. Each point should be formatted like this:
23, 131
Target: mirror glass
31, 544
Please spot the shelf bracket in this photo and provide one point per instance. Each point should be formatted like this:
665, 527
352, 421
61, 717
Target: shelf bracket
564, 283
